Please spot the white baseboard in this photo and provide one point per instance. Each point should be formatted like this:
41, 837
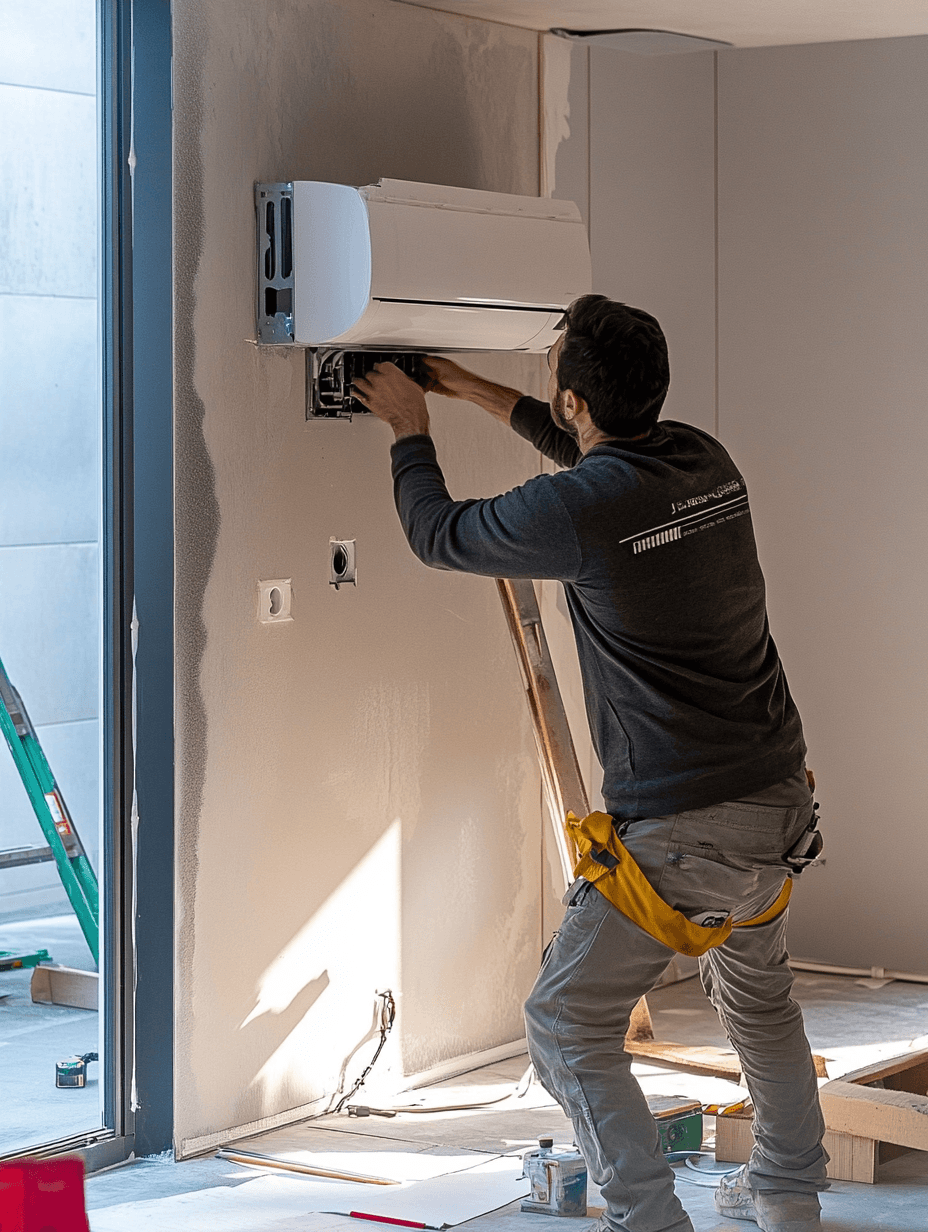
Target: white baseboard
463, 1065
189, 1147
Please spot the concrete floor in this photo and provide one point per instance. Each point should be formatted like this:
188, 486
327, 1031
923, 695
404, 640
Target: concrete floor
848, 1023
33, 1037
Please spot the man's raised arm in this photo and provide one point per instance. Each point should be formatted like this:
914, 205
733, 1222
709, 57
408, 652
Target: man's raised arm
452, 381
532, 419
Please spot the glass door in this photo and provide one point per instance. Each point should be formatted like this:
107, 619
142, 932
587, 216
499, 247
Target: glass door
63, 629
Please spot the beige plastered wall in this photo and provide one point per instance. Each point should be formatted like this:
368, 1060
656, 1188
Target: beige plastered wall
358, 798
770, 207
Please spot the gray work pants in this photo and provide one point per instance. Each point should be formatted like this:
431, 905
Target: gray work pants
727, 858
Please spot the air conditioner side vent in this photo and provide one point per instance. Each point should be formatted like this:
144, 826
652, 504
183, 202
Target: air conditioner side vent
274, 282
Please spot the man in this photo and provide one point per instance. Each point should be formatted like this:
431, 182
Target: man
701, 746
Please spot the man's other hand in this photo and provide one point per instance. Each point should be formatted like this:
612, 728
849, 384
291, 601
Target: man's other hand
393, 397
448, 378
452, 381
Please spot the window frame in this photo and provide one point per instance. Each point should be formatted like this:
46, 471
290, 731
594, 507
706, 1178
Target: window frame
134, 124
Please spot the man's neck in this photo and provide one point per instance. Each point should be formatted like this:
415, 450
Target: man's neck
589, 441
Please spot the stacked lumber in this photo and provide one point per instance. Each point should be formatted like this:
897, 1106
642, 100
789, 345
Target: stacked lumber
872, 1115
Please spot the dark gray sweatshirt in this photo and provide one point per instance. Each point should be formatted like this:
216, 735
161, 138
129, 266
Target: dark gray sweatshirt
686, 696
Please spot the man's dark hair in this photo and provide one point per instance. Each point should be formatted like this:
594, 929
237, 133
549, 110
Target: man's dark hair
615, 358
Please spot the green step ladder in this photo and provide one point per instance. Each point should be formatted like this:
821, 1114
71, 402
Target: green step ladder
63, 842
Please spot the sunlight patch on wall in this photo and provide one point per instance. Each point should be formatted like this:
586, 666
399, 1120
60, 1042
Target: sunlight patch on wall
350, 948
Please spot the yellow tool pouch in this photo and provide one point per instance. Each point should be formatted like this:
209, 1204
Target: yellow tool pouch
606, 862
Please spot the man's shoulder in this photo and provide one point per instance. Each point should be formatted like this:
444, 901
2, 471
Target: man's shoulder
678, 457
680, 429
670, 438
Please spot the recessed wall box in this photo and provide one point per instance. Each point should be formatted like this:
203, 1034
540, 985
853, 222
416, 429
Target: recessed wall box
343, 562
329, 376
406, 266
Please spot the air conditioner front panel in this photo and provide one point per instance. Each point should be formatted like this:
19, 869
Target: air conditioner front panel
448, 255
402, 265
451, 327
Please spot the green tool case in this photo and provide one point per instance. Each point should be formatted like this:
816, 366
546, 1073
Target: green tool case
678, 1120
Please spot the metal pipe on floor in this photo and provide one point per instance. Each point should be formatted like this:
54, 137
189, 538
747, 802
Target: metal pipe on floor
871, 973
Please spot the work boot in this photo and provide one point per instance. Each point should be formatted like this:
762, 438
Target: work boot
772, 1211
603, 1225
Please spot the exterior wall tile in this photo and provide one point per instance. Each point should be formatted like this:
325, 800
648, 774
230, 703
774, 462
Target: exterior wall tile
49, 621
48, 168
49, 414
49, 420
64, 58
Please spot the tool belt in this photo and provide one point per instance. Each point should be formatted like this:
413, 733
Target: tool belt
607, 863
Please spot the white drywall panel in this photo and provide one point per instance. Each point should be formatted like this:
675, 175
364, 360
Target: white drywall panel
565, 122
358, 798
770, 24
652, 207
823, 189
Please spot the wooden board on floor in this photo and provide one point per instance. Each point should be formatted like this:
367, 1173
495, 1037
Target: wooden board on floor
852, 1158
54, 985
692, 1058
887, 1102
872, 1115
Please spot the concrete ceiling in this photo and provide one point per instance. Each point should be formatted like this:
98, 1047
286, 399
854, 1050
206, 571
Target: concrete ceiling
744, 23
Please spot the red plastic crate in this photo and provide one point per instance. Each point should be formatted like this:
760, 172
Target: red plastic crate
43, 1195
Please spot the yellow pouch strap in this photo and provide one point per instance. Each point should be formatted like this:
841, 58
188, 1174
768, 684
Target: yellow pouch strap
776, 908
623, 883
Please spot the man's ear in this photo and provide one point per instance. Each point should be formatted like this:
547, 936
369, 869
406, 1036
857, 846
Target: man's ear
573, 404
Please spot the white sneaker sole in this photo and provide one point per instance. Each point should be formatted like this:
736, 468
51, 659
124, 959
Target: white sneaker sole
766, 1224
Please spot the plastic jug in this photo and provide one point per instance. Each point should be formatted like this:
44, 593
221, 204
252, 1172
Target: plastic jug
558, 1179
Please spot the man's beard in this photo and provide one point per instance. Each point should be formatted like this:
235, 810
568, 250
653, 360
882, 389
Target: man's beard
557, 414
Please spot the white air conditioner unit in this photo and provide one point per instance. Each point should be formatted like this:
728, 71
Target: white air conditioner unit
406, 266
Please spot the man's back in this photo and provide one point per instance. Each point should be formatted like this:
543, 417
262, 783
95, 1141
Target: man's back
687, 701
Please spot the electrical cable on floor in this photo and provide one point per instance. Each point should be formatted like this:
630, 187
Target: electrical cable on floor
525, 1082
387, 1018
712, 1175
519, 1091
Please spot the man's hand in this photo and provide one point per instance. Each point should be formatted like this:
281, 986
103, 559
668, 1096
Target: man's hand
449, 379
393, 397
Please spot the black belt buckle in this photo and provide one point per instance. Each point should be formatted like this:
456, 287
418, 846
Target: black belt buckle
606, 858
808, 847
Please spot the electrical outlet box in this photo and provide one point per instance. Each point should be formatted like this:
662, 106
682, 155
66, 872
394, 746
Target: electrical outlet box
274, 599
343, 568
